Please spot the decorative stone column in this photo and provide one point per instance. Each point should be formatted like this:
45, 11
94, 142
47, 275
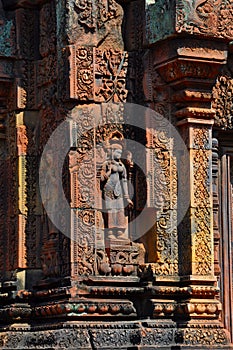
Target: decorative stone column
189, 64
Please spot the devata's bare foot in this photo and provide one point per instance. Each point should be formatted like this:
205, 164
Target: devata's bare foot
121, 235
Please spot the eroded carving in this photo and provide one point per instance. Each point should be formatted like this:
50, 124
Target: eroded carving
223, 102
208, 17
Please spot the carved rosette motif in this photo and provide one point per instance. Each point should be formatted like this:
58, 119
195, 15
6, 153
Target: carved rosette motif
98, 75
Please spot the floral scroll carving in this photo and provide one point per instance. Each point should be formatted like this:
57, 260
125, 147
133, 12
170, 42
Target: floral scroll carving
98, 75
165, 191
82, 179
223, 102
206, 17
92, 17
202, 205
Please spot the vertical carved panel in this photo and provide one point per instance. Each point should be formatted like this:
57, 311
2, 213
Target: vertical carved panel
162, 195
22, 143
27, 41
47, 73
81, 73
226, 229
133, 29
203, 240
83, 242
12, 194
98, 74
28, 220
223, 102
3, 201
196, 229
33, 224
215, 177
82, 179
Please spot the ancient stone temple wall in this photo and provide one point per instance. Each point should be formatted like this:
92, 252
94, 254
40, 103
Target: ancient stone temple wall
116, 174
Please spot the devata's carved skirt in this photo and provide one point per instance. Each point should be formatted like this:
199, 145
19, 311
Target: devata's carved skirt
114, 213
115, 218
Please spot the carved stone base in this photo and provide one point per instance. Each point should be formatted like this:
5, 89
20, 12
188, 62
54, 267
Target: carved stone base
86, 336
121, 259
202, 335
144, 335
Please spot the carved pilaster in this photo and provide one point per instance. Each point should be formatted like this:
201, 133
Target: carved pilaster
215, 179
191, 84
162, 197
22, 142
190, 69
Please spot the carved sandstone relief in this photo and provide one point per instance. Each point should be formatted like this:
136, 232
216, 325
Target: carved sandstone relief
162, 195
88, 164
164, 255
96, 22
201, 202
223, 102
205, 17
98, 75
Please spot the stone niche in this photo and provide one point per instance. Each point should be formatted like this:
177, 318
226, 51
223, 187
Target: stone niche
149, 165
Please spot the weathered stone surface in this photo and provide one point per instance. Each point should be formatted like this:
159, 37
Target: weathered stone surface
95, 279
206, 18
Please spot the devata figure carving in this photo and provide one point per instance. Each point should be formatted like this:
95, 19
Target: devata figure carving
115, 194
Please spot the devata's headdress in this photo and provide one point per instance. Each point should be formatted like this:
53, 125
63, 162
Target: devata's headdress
115, 141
